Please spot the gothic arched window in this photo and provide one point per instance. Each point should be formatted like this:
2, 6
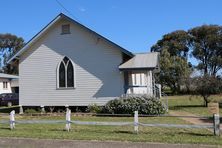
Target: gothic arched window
65, 74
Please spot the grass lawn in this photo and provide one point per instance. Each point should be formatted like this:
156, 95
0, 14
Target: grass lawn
116, 133
121, 133
192, 104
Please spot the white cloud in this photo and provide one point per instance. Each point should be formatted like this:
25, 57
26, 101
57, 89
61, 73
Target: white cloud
82, 9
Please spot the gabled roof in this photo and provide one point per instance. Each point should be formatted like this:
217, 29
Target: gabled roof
56, 19
142, 61
8, 76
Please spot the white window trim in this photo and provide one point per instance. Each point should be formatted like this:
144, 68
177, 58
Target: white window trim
5, 83
57, 75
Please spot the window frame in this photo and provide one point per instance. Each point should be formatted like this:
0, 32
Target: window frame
62, 62
63, 29
5, 85
66, 72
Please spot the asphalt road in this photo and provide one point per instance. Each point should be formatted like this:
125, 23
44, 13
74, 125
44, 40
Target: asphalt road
42, 143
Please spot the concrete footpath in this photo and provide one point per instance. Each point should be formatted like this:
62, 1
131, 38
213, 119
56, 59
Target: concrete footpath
42, 143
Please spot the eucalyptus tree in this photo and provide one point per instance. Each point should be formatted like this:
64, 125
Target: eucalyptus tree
175, 68
9, 44
207, 48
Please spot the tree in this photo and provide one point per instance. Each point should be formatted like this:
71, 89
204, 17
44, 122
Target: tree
175, 69
206, 86
206, 42
9, 44
177, 44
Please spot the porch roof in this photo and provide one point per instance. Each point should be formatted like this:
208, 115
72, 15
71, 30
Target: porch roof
142, 61
8, 76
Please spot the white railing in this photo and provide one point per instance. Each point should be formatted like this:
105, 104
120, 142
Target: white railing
215, 126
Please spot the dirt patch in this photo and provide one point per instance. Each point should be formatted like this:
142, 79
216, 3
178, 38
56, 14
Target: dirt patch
191, 118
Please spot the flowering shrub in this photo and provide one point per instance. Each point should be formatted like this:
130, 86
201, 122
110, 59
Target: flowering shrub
94, 108
127, 105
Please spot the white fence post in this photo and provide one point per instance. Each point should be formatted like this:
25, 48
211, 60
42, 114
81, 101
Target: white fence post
68, 120
20, 109
216, 125
136, 122
67, 107
42, 109
12, 119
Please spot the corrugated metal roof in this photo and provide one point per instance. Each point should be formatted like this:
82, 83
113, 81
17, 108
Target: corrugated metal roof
3, 75
142, 61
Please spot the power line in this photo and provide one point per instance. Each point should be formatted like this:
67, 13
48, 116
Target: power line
61, 5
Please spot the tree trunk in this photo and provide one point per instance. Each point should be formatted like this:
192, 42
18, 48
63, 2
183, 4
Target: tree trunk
174, 89
205, 101
205, 104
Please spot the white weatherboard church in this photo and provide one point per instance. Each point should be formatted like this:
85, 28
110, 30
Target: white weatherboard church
66, 63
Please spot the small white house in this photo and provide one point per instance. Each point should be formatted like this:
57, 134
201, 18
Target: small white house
66, 63
8, 83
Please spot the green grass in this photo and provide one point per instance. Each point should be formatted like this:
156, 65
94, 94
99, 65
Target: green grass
121, 133
116, 133
192, 104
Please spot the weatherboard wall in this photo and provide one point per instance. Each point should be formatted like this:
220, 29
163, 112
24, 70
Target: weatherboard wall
96, 62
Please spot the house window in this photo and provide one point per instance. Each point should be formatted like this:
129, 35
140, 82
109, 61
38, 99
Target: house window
138, 79
66, 29
5, 85
65, 74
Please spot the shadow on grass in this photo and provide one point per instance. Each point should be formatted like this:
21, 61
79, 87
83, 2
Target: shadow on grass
5, 128
210, 120
57, 130
124, 132
196, 134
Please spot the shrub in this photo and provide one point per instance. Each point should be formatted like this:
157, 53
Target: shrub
31, 111
9, 109
94, 108
127, 105
60, 111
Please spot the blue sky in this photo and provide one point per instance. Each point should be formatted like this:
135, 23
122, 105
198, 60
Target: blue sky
133, 24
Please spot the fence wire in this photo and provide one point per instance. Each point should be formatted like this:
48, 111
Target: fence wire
106, 123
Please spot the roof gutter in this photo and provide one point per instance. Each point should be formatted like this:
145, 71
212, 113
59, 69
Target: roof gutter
137, 68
